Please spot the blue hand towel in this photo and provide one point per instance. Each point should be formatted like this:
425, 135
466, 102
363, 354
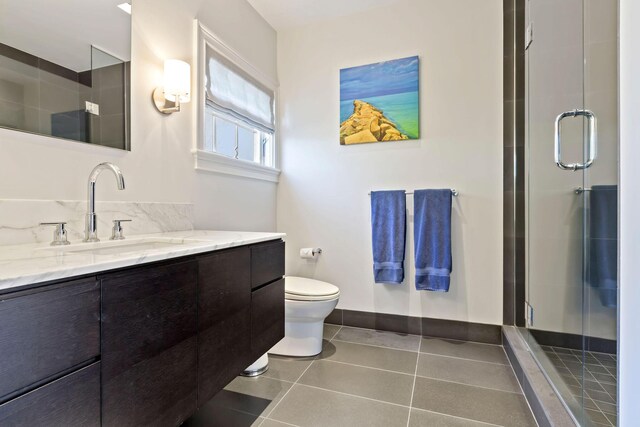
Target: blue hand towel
388, 230
603, 248
432, 239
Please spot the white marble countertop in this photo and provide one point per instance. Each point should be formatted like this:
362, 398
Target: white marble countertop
22, 265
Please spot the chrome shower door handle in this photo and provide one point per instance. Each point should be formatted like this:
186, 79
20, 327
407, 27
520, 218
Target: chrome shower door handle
592, 135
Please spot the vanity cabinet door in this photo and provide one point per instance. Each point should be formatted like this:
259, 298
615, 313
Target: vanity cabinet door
267, 317
224, 319
149, 345
71, 401
46, 331
267, 262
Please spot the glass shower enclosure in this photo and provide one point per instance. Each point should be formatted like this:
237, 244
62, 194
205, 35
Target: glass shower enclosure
571, 154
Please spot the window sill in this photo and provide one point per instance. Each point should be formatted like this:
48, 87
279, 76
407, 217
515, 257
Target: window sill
211, 162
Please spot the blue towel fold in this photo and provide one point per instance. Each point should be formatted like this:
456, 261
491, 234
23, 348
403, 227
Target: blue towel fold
603, 244
432, 239
388, 230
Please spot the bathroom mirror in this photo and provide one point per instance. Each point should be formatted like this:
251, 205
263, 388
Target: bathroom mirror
65, 69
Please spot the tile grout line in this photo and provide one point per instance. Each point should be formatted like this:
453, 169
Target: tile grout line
421, 352
582, 387
381, 331
366, 367
419, 336
584, 390
353, 395
335, 334
287, 392
414, 375
459, 418
466, 358
413, 388
281, 422
469, 385
377, 346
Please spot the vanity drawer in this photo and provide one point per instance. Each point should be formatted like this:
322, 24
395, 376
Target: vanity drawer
224, 319
46, 331
149, 345
267, 317
267, 262
73, 400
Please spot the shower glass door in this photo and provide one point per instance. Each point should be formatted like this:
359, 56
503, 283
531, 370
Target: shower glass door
571, 203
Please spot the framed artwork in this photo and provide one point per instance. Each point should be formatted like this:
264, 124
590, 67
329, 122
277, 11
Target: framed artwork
379, 102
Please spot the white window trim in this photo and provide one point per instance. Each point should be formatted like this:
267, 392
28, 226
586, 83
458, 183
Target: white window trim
208, 161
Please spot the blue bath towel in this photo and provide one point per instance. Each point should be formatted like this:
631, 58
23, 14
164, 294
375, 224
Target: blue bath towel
603, 244
388, 230
432, 239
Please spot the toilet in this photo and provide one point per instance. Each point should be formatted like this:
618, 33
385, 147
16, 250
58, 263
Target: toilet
307, 303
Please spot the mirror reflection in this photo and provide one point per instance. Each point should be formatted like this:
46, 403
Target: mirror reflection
64, 69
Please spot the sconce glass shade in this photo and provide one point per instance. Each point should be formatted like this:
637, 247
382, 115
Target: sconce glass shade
177, 80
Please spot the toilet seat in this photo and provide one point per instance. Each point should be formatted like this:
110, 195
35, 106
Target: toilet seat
303, 289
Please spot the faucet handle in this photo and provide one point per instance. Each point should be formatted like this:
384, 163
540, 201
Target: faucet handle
59, 234
117, 233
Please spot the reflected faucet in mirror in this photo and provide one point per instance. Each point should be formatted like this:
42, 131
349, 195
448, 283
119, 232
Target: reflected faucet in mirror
91, 225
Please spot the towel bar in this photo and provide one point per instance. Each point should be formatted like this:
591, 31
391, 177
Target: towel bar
454, 192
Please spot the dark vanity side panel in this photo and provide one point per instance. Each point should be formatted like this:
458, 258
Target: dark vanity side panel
224, 319
44, 332
267, 317
71, 401
149, 345
267, 262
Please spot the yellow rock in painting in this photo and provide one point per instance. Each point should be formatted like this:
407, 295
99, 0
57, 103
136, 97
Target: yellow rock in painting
368, 124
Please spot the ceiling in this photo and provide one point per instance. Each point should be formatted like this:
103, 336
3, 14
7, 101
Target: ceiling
283, 14
62, 31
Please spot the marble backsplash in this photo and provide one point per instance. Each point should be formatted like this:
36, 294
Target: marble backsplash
20, 219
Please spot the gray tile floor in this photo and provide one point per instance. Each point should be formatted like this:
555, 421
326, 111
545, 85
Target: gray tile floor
597, 374
370, 378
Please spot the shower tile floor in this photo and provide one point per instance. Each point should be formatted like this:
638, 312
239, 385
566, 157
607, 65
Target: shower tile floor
599, 379
370, 378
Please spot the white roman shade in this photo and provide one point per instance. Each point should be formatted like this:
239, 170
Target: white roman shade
233, 91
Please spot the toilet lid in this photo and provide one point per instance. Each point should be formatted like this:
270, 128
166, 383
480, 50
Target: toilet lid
301, 288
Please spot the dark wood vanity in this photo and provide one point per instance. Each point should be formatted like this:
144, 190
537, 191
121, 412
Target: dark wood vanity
144, 345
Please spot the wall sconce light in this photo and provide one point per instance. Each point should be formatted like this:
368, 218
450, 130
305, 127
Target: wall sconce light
177, 87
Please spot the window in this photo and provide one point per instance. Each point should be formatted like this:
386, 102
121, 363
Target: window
235, 138
237, 113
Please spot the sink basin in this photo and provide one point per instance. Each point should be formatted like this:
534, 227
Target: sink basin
121, 247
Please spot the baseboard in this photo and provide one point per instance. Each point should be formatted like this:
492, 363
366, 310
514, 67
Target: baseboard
441, 328
574, 341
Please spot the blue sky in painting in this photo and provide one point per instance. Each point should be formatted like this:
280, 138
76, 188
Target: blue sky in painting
382, 78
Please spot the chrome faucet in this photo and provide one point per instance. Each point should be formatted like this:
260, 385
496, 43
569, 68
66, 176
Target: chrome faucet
91, 224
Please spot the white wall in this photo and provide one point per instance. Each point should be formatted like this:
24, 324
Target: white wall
322, 197
160, 166
629, 295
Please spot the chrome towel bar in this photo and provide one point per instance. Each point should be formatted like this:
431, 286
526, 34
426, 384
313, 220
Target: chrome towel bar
454, 192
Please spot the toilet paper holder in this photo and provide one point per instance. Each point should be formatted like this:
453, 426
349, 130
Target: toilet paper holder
310, 253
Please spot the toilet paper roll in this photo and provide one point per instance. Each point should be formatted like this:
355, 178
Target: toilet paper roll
310, 253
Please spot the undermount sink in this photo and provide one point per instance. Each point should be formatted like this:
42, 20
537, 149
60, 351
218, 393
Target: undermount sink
121, 247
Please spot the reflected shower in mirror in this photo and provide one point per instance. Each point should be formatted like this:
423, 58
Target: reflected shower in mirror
64, 69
